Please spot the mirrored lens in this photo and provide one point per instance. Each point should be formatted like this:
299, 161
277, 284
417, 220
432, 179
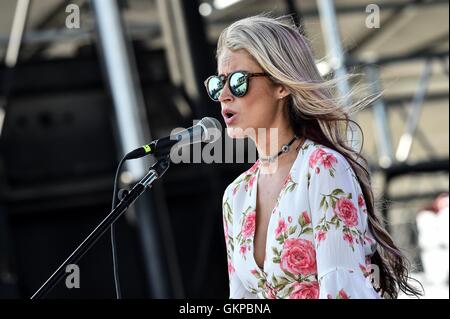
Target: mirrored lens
238, 84
215, 87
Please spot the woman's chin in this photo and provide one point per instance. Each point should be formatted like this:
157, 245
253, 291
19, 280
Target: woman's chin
235, 132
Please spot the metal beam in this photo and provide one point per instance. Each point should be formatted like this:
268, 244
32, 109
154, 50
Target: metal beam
228, 14
12, 53
297, 16
130, 116
430, 44
44, 37
401, 58
425, 166
396, 101
50, 20
336, 59
17, 29
387, 5
387, 22
142, 31
383, 134
404, 146
233, 13
420, 136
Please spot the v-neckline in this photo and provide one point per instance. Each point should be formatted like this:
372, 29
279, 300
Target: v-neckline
254, 203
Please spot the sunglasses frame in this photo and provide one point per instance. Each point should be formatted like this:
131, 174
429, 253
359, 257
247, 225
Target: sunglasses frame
224, 81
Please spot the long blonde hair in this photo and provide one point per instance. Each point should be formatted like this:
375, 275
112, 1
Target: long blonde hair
315, 112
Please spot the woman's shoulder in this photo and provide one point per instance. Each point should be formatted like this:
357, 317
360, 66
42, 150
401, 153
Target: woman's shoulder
318, 155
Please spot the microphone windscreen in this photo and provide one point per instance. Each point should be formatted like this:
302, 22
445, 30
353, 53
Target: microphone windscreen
212, 129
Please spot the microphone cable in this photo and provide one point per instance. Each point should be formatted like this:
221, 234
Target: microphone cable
113, 233
137, 153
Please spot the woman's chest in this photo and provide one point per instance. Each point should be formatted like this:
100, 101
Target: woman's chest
266, 203
277, 233
268, 195
288, 251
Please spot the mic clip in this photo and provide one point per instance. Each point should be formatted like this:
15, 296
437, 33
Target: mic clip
122, 194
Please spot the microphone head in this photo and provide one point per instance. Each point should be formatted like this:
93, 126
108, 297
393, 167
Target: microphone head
212, 129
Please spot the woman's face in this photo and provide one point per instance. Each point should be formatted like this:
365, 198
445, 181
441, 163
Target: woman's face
260, 107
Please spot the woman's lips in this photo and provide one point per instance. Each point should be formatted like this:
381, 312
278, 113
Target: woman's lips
229, 117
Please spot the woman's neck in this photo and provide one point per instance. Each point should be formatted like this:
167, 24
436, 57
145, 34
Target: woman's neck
269, 142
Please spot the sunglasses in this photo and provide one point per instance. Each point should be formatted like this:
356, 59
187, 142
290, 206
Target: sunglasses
237, 83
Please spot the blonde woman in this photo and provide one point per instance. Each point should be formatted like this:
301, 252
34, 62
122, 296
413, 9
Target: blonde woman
304, 227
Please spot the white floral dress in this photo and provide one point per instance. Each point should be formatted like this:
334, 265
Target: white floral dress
318, 243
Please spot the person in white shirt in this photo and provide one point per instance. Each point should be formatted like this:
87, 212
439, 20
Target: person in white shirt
301, 222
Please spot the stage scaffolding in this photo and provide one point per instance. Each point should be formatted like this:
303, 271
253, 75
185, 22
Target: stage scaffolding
190, 59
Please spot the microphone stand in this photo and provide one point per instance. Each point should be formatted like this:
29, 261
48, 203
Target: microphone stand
155, 172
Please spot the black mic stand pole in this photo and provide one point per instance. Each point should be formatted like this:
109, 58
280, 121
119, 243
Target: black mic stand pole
155, 172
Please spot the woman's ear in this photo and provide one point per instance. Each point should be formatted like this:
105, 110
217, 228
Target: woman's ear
282, 91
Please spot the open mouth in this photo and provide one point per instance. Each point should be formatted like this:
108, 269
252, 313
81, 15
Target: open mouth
229, 116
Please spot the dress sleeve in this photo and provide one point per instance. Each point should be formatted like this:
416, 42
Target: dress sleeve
339, 218
237, 289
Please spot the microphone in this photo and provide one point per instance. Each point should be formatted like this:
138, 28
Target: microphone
207, 130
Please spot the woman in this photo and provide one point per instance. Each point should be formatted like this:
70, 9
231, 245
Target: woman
300, 223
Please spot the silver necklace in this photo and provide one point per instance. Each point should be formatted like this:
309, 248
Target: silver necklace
284, 149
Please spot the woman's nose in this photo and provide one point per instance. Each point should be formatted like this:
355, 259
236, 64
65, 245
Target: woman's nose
225, 95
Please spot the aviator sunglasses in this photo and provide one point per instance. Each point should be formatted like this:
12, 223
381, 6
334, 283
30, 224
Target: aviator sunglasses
237, 83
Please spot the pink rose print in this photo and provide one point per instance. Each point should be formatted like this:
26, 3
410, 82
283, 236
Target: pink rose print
251, 181
298, 257
343, 294
321, 235
306, 218
320, 156
248, 180
305, 290
315, 157
225, 230
348, 238
230, 267
254, 167
271, 294
368, 239
280, 228
254, 271
243, 249
346, 211
236, 189
364, 270
249, 225
287, 180
289, 219
340, 295
328, 160
361, 201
